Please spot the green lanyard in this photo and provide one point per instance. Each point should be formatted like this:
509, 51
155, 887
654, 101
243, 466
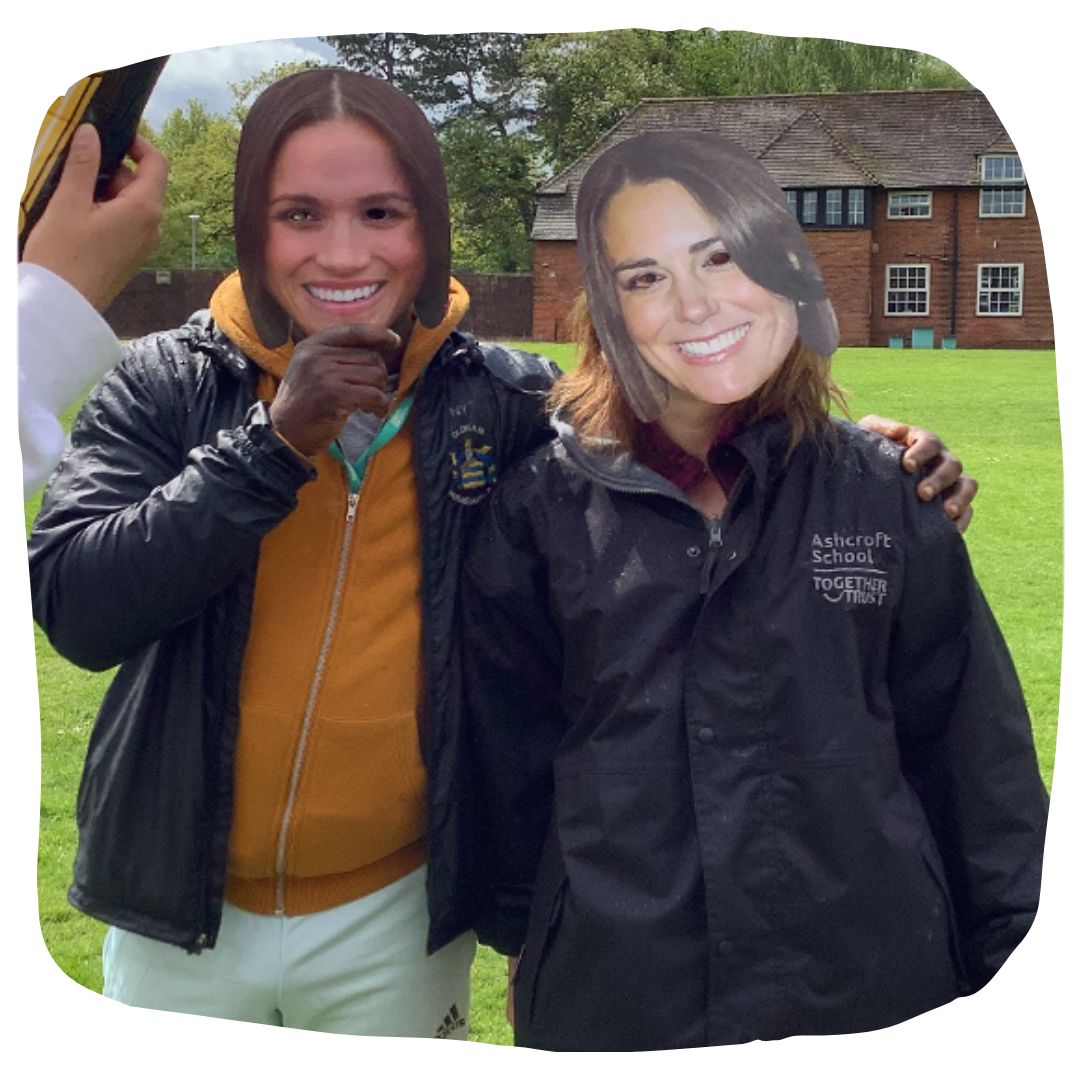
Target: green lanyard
391, 426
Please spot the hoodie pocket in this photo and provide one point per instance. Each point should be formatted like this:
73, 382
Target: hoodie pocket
361, 796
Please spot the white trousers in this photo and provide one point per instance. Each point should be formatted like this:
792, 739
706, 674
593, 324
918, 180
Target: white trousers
360, 969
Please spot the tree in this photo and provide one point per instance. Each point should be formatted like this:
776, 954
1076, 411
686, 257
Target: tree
588, 82
392, 56
448, 75
491, 181
201, 148
182, 128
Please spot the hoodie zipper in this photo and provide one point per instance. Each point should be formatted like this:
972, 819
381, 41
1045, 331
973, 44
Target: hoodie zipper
313, 693
356, 476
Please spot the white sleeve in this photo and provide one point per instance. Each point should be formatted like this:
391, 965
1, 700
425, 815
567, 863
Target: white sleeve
64, 347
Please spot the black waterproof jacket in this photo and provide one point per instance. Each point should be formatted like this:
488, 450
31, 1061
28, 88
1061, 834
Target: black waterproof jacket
144, 555
767, 777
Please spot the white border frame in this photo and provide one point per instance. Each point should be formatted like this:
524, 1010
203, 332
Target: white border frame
1024, 1021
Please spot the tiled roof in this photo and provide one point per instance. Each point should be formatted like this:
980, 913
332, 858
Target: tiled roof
887, 138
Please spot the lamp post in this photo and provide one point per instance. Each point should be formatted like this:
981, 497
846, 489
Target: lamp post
194, 224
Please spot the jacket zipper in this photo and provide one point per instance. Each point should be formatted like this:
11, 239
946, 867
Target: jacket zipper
712, 553
313, 694
714, 525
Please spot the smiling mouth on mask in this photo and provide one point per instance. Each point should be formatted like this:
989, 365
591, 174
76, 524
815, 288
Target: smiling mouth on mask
342, 296
715, 344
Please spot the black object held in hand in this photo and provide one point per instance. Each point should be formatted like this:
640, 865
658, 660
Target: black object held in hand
113, 101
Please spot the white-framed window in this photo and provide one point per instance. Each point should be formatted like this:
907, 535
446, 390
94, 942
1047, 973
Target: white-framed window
809, 208
834, 206
907, 289
1001, 289
856, 211
1004, 193
793, 202
910, 204
1002, 202
1001, 169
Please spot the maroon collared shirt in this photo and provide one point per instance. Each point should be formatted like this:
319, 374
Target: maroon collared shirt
661, 454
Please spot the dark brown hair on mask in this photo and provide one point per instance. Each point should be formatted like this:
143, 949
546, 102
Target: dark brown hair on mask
313, 97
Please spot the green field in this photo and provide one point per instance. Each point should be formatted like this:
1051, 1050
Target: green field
997, 410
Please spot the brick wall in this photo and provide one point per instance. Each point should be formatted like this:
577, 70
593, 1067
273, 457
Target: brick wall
555, 284
915, 242
159, 300
1003, 240
843, 257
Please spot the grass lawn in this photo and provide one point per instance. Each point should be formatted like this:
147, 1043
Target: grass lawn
996, 409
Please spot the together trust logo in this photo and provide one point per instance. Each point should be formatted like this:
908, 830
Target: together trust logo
849, 567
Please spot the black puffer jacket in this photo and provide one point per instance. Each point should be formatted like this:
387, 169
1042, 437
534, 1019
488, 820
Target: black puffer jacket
144, 555
770, 778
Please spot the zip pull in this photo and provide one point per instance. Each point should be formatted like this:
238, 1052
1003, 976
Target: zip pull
354, 498
716, 542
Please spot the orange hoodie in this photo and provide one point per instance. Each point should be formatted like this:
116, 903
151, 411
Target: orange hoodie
329, 797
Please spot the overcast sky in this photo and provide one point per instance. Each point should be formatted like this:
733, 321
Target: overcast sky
205, 74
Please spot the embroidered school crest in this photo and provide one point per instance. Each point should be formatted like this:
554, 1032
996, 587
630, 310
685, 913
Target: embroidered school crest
472, 465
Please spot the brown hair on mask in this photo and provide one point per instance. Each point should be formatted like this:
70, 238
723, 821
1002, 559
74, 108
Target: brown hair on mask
313, 97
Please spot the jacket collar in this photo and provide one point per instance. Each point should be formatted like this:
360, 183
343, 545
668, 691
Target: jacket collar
603, 461
763, 445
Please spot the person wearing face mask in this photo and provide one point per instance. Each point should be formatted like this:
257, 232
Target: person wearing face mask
260, 520
748, 757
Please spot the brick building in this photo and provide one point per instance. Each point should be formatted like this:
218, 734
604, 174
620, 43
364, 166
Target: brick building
914, 204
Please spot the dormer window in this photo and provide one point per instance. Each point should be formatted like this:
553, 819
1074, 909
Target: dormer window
1004, 191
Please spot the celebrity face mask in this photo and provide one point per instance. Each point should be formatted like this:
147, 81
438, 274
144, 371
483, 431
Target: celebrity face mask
343, 240
696, 319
